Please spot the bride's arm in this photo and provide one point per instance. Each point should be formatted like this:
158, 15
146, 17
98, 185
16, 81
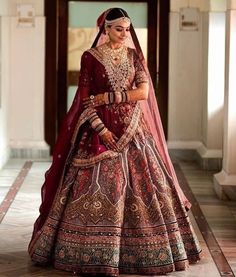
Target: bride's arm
139, 93
95, 121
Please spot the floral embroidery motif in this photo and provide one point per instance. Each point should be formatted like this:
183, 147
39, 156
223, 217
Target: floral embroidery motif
127, 200
116, 212
93, 208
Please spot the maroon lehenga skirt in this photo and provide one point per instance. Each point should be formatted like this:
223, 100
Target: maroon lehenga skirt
121, 215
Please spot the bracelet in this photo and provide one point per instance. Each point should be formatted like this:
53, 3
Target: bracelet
106, 99
116, 97
99, 127
103, 131
96, 123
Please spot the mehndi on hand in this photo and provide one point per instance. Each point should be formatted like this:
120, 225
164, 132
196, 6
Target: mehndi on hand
110, 140
94, 101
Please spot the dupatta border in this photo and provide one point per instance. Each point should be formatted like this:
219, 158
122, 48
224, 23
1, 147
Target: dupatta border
82, 119
123, 141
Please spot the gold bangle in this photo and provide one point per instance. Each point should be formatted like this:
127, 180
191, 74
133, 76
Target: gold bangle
118, 97
106, 99
103, 132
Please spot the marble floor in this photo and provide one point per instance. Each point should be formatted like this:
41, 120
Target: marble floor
213, 220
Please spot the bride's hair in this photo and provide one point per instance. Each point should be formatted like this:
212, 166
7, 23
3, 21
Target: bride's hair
116, 13
106, 18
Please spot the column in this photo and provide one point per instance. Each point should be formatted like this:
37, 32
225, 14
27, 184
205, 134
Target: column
225, 181
27, 67
210, 151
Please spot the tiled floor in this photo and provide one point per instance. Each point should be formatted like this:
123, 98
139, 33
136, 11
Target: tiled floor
16, 226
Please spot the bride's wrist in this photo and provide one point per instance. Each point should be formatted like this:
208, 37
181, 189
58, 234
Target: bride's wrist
99, 99
116, 97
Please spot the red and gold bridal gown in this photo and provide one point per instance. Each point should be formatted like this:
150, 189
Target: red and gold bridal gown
115, 212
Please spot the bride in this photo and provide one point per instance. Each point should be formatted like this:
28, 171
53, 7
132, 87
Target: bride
111, 202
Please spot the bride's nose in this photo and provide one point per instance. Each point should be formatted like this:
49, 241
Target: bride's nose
123, 33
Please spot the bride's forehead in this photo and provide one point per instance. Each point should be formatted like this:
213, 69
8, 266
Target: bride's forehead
121, 23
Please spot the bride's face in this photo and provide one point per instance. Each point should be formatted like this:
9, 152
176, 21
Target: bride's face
119, 31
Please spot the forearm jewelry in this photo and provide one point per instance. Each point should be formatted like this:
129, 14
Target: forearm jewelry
97, 124
116, 97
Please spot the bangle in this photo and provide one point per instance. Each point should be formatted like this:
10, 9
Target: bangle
96, 123
103, 131
106, 98
116, 97
111, 97
99, 127
125, 96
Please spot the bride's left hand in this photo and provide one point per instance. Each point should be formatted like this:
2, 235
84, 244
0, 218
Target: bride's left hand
94, 101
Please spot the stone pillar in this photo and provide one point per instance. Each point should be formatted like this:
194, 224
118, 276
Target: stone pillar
225, 181
210, 152
27, 67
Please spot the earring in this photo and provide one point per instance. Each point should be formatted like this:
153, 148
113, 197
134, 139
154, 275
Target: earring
107, 36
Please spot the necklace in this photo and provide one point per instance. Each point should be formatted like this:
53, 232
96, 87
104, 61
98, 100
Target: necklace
117, 66
117, 54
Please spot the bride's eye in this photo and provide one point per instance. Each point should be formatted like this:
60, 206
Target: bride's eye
119, 29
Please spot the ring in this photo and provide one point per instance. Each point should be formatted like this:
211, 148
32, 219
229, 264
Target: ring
91, 97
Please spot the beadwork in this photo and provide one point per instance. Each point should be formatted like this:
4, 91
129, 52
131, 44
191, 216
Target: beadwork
117, 72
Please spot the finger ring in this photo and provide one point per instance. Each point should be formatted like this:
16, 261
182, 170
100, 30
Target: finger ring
91, 97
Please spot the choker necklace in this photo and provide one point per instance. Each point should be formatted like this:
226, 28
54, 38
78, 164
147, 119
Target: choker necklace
116, 54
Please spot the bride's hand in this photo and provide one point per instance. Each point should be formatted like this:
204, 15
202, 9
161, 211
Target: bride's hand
94, 101
110, 140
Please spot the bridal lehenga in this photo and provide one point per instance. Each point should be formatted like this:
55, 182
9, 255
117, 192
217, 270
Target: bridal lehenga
113, 212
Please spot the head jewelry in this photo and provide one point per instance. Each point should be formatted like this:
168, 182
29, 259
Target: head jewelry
113, 21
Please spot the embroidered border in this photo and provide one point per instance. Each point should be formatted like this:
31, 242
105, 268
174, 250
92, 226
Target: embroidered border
123, 141
83, 118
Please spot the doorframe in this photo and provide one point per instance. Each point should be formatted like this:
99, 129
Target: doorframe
56, 13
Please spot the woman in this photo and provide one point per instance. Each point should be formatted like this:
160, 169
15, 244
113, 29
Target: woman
111, 202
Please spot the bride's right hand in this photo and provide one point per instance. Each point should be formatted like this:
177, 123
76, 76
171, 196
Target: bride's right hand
110, 140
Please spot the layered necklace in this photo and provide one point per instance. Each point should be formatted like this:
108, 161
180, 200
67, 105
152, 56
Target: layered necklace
117, 66
117, 54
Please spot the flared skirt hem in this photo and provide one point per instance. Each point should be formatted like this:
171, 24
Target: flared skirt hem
94, 270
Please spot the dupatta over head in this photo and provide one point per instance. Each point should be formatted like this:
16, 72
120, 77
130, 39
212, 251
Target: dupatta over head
63, 148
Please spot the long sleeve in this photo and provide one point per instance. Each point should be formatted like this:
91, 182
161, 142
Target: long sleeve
140, 74
85, 75
85, 79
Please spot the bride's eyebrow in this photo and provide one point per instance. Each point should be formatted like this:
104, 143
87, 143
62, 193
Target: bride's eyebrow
121, 27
